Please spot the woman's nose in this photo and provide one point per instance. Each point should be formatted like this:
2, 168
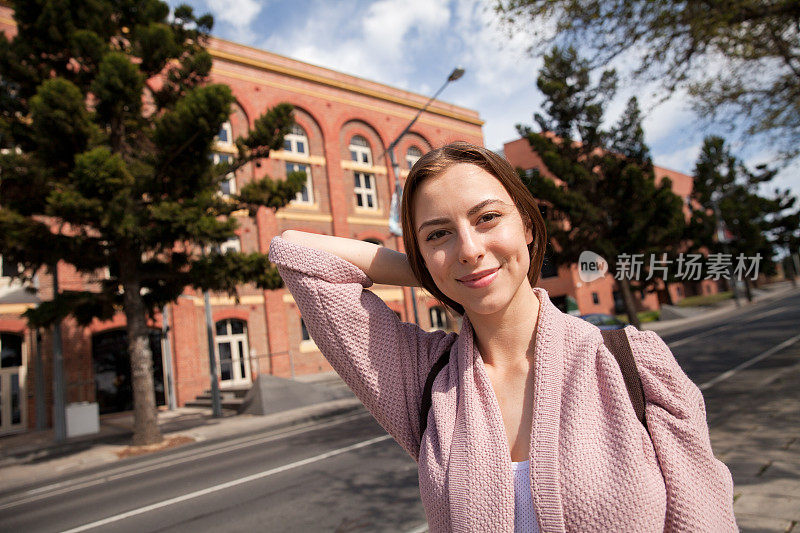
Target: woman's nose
470, 247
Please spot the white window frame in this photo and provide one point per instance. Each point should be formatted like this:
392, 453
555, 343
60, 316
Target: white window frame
363, 193
438, 317
308, 189
230, 177
292, 139
360, 151
240, 365
412, 158
228, 129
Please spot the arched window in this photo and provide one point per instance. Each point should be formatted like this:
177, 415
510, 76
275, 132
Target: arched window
364, 186
233, 353
412, 156
231, 245
296, 142
11, 384
225, 135
228, 184
359, 150
438, 318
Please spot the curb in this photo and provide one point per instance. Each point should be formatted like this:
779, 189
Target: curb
218, 432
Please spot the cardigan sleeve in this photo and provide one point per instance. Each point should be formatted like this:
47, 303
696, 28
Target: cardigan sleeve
699, 486
384, 361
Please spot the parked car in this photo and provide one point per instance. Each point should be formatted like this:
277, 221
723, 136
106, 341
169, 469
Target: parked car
604, 321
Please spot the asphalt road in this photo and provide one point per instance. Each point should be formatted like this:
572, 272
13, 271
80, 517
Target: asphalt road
345, 474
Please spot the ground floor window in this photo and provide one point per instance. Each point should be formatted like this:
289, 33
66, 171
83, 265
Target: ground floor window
112, 370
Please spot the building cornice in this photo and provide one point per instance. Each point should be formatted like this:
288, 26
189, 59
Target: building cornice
328, 77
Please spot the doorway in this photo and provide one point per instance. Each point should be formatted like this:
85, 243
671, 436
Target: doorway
112, 370
12, 384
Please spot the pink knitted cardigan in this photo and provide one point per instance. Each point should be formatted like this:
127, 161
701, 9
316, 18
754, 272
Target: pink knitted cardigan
593, 466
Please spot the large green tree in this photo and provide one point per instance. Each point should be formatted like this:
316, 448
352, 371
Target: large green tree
729, 196
607, 199
108, 122
738, 59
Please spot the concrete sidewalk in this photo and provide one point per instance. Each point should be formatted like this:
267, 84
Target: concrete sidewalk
754, 421
35, 457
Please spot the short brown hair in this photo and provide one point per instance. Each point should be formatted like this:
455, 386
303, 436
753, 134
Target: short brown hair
437, 161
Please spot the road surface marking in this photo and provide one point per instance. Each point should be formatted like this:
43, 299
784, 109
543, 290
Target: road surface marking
750, 362
227, 485
64, 487
724, 326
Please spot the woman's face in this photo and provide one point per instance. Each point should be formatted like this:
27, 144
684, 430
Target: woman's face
467, 224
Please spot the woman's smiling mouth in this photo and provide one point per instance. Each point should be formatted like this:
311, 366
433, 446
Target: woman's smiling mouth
484, 279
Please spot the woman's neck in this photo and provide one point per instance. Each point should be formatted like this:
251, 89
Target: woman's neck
506, 339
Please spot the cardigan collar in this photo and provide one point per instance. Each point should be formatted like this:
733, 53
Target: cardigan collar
480, 453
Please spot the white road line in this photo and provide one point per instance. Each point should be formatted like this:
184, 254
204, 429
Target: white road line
229, 484
749, 362
724, 326
774, 376
63, 487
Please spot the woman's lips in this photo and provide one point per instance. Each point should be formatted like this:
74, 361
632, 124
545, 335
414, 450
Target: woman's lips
480, 282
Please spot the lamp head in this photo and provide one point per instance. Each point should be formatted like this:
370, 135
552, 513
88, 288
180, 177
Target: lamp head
457, 73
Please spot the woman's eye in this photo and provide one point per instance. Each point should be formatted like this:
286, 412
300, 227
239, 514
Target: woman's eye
489, 216
434, 235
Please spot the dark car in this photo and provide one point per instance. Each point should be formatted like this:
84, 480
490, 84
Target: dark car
604, 321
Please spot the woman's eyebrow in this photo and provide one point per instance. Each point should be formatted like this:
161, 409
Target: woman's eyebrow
472, 211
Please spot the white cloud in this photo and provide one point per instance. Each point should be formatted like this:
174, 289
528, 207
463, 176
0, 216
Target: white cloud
378, 42
239, 13
681, 159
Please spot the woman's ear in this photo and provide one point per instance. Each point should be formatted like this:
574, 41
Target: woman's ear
528, 231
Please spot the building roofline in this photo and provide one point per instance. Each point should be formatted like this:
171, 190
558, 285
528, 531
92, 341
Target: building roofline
221, 49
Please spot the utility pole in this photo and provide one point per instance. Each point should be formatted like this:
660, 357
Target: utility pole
59, 397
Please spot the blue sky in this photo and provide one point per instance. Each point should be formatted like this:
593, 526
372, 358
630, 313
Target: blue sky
414, 44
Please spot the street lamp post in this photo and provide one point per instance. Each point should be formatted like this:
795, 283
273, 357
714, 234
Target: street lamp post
394, 215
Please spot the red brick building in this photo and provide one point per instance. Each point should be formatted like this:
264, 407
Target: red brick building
602, 295
344, 124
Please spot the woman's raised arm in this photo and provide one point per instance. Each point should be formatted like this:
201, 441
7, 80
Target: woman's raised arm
382, 265
383, 360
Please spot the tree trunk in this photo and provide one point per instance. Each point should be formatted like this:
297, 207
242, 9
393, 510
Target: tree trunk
789, 271
747, 290
630, 304
145, 420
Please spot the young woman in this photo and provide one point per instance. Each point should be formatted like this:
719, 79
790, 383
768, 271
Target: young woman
530, 427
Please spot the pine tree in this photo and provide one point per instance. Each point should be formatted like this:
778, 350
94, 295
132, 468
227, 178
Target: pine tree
724, 187
108, 120
607, 200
